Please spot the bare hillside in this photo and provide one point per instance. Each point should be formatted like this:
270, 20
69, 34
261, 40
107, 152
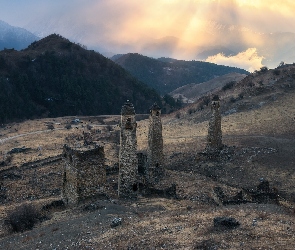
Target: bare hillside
191, 92
258, 131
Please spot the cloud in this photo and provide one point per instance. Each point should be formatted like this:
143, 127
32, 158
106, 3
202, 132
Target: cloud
248, 60
127, 26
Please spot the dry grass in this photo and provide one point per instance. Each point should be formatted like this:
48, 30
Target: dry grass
264, 147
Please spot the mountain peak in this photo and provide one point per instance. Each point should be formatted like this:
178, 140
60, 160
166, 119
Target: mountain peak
55, 77
53, 42
14, 37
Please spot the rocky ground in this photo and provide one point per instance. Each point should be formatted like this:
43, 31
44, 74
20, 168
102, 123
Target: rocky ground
250, 184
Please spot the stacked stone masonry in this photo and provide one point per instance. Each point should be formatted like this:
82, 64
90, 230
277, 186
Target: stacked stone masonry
128, 160
155, 146
84, 174
214, 139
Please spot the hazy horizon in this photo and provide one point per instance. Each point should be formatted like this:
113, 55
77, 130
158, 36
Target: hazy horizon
174, 28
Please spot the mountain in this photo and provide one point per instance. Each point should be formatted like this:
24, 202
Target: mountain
191, 92
166, 74
267, 94
55, 77
211, 38
15, 37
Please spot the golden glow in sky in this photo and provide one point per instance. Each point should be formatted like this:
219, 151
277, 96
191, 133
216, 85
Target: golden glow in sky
133, 26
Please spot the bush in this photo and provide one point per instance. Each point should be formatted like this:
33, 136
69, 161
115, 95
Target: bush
241, 96
6, 160
22, 218
263, 69
206, 100
88, 126
251, 84
68, 126
109, 128
50, 126
232, 99
276, 72
229, 85
190, 111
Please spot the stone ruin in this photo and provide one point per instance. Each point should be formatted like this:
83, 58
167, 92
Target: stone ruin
128, 160
84, 174
214, 138
155, 146
139, 172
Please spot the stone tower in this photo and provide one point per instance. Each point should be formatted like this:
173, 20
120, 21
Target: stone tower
84, 174
155, 146
214, 139
128, 161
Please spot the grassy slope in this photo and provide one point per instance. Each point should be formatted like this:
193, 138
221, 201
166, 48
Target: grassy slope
187, 223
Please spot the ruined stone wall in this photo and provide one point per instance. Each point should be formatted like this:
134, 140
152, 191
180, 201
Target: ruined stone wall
155, 146
84, 174
69, 187
128, 161
214, 138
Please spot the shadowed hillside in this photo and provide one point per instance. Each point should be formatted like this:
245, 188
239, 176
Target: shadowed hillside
166, 74
55, 77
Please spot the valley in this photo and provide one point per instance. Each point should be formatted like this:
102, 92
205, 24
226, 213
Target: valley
258, 131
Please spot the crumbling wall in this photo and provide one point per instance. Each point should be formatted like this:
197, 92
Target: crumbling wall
155, 146
84, 174
128, 161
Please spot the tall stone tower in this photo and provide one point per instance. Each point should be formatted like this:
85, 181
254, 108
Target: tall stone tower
128, 161
214, 139
155, 146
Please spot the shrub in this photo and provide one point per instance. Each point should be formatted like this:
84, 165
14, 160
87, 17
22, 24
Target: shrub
177, 115
50, 126
251, 84
263, 69
68, 126
190, 111
205, 101
241, 96
276, 72
88, 126
22, 218
229, 85
109, 128
232, 99
6, 160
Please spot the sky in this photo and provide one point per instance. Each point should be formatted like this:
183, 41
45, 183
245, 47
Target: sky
122, 26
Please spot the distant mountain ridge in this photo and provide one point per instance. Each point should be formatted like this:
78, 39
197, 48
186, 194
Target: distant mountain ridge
55, 77
167, 74
219, 36
15, 37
